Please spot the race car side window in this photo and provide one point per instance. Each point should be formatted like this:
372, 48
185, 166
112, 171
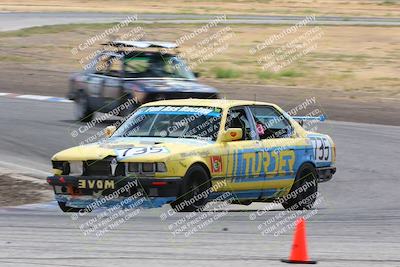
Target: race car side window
237, 118
270, 123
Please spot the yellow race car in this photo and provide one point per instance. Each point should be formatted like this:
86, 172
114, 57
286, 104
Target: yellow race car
189, 152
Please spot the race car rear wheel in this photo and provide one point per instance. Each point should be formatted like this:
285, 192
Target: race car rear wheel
65, 208
304, 190
82, 109
194, 191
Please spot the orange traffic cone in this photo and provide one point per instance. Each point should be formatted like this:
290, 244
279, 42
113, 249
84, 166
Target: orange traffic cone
299, 247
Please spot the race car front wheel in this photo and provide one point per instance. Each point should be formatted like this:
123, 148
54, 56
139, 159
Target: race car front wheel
65, 208
82, 109
304, 190
195, 190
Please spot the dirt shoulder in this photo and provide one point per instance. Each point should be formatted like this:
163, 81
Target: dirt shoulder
19, 189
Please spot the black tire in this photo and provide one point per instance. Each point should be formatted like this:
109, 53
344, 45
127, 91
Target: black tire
192, 197
303, 199
242, 202
82, 108
65, 208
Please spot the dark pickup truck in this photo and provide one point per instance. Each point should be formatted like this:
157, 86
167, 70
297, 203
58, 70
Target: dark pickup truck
133, 72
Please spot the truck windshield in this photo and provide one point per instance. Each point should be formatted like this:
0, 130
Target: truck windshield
173, 122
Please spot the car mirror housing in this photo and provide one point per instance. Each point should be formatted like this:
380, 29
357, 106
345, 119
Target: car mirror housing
232, 134
110, 130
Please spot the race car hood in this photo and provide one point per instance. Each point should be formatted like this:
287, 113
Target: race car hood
172, 85
135, 149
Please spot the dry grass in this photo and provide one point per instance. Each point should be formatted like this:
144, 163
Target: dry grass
381, 8
356, 59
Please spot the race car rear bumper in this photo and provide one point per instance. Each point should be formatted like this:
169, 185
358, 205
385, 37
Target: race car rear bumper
86, 186
325, 174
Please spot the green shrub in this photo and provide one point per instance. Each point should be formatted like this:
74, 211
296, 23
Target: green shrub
265, 75
289, 73
221, 73
276, 75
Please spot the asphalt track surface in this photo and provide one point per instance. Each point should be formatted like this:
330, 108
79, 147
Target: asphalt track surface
356, 223
19, 20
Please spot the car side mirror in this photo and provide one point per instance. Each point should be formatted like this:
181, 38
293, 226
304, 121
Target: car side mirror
232, 134
110, 130
196, 74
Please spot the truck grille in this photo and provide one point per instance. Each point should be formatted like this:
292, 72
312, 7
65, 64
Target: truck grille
102, 168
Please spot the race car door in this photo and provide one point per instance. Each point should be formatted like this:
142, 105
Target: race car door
243, 157
282, 149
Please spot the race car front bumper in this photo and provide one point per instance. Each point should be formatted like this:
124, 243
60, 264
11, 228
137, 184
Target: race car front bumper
325, 174
105, 185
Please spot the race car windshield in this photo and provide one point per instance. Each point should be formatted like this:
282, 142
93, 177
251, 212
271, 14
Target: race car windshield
156, 66
173, 122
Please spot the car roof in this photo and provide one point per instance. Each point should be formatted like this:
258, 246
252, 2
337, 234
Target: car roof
218, 103
136, 53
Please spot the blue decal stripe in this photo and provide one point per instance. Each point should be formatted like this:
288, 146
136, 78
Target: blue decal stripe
251, 194
211, 114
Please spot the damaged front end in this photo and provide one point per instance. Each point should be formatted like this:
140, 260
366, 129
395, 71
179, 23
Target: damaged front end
105, 183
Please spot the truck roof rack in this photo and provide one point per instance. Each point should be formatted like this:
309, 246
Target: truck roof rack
142, 44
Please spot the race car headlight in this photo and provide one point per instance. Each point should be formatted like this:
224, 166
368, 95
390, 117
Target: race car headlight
161, 167
75, 167
133, 167
62, 167
146, 167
